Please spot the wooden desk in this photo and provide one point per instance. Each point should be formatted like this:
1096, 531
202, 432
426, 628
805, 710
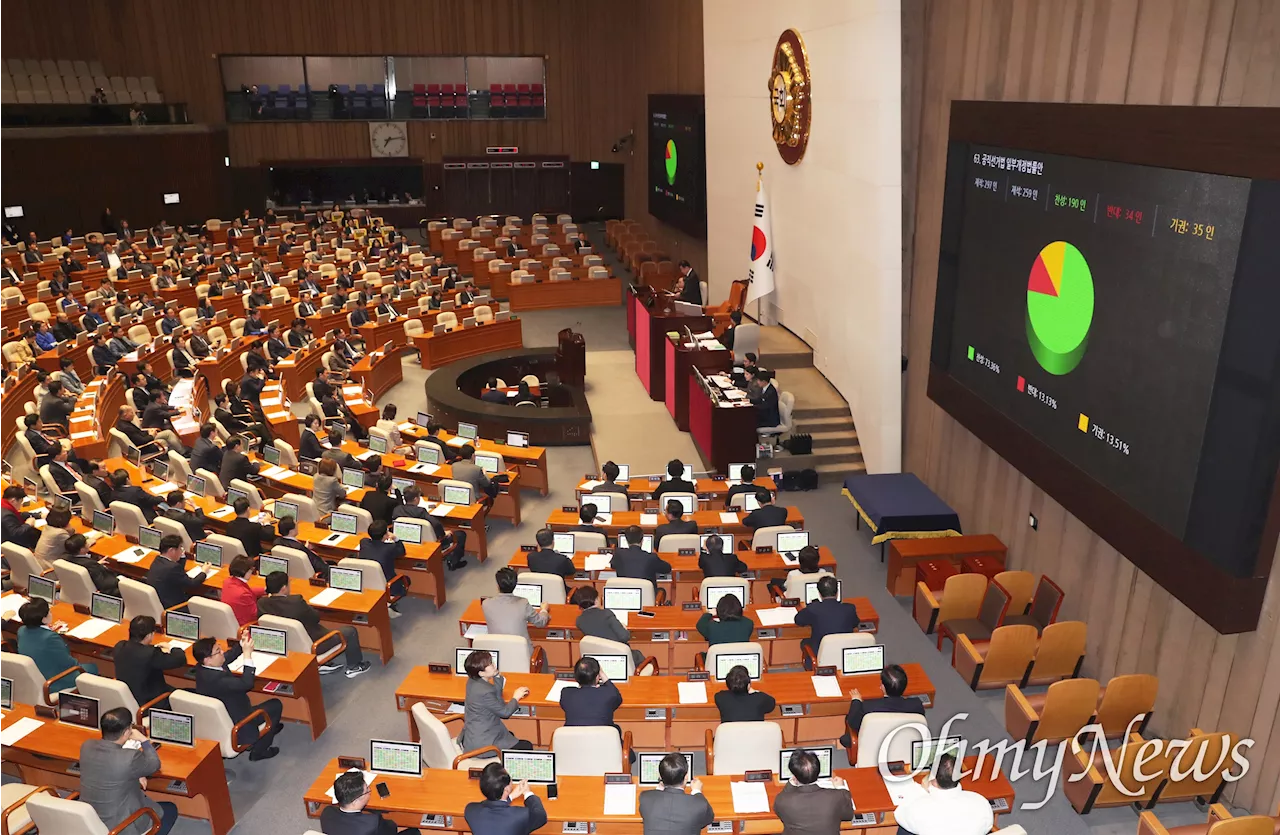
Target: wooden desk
51, 360
299, 370
192, 778
669, 636
17, 393
711, 491
459, 342
376, 335
378, 371
708, 521
651, 707
723, 436
905, 553
935, 573
651, 327
680, 362
530, 461
547, 294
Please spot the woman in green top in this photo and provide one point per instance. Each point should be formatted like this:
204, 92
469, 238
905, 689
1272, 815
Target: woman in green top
727, 626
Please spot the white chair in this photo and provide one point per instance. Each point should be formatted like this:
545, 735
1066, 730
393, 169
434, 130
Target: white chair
51, 486
212, 484
237, 328
590, 751
673, 542
786, 407
363, 517
618, 502
831, 650
13, 796
900, 729
22, 564
179, 468
371, 576
29, 686
255, 496
648, 595
723, 582
288, 455
768, 536
739, 747
211, 722
75, 586
453, 482
590, 645
439, 750
552, 585
172, 527
412, 328
299, 564
217, 619
588, 541
53, 815
483, 313
447, 318
682, 497
231, 548
140, 334
306, 505
112, 693
297, 639
746, 339
140, 599
733, 648
515, 653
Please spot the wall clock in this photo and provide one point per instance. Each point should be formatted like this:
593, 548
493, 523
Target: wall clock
790, 96
388, 139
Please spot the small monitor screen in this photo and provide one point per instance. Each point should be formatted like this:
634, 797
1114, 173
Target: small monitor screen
689, 503
42, 587
714, 593
352, 477
377, 443
424, 419
468, 431
75, 709
182, 626
409, 532
270, 565
613, 666
750, 502
624, 474
824, 761
106, 607
623, 599
209, 553
268, 640
454, 494
13, 211
925, 751
461, 654
395, 757
735, 472
149, 537
428, 453
649, 762
811, 592
282, 509
170, 197
529, 591
598, 501
6, 693
487, 463
347, 579
563, 543
791, 542
534, 766
645, 545
195, 484
342, 522
104, 522
862, 660
235, 494
518, 439
272, 455
726, 661
159, 468
175, 728
401, 483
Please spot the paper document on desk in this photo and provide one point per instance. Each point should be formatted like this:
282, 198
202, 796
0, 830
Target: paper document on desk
174, 643
274, 401
163, 489
10, 604
711, 345
271, 472
598, 562
622, 615
75, 436
424, 468
735, 394
454, 707
278, 415
352, 390
722, 381
590, 485
475, 630
692, 692
648, 520
90, 629
749, 798
457, 442
777, 616
620, 799
11, 734
260, 661
443, 509
826, 687
327, 597
728, 517
406, 426
553, 695
195, 570
131, 555
900, 791
704, 335
221, 512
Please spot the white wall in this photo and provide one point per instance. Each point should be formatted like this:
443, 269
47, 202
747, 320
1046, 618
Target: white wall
837, 219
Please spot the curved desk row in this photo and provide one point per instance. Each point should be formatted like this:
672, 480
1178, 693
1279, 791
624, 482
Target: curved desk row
577, 292
708, 521
460, 342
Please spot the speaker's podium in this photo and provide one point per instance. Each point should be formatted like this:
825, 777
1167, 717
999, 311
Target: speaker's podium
650, 316
723, 426
681, 356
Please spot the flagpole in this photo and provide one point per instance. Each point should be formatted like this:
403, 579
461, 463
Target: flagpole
759, 178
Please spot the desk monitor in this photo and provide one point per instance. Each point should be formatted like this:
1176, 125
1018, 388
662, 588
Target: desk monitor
352, 477
149, 537
529, 591
687, 475
613, 666
401, 483
925, 751
106, 607
346, 579
622, 599
271, 455
42, 587
518, 439
182, 626
424, 419
75, 709
649, 762
461, 654
487, 463
377, 443
750, 502
811, 592
159, 468
534, 766
340, 522
409, 532
134, 456
456, 494
429, 454
268, 640
689, 503
234, 494
824, 761
209, 553
282, 509
103, 522
195, 484
468, 431
727, 539
735, 472
6, 693
790, 542
862, 660
61, 502
270, 565
714, 593
726, 661
563, 543
389, 757
171, 727
599, 501
624, 474
645, 545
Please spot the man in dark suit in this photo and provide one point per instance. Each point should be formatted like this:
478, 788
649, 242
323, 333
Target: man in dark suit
676, 523
767, 514
829, 615
137, 436
168, 574
277, 348
634, 562
63, 475
379, 501
43, 446
235, 464
57, 405
714, 561
384, 549
548, 561
511, 249
893, 680
746, 485
492, 394
610, 483
768, 413
593, 702
385, 307
97, 477
215, 680
159, 416
677, 482
727, 338
141, 664
124, 491
206, 455
667, 810
348, 815
448, 454
587, 515
804, 806
464, 297
360, 315
495, 815
281, 603
228, 270
692, 291
285, 528
184, 514
245, 529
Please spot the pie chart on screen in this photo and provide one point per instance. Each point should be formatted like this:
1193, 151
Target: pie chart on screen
671, 162
1059, 307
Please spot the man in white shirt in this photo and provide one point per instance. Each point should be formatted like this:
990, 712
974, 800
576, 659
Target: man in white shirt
943, 808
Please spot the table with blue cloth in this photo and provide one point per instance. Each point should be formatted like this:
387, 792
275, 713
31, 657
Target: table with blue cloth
899, 506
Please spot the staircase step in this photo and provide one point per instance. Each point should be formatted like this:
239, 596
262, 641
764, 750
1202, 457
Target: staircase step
827, 440
829, 424
846, 455
810, 412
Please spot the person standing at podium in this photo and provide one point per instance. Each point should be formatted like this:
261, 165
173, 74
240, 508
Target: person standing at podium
691, 291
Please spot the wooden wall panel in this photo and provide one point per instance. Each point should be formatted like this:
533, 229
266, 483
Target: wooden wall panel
1201, 52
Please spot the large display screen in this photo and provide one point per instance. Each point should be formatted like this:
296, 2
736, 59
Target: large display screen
677, 162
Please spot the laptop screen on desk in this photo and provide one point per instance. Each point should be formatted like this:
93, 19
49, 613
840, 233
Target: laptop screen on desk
714, 593
454, 494
103, 522
726, 661
811, 592
518, 439
862, 660
75, 709
377, 443
409, 532
487, 463
687, 475
395, 757
209, 552
689, 503
106, 607
342, 522
424, 419
646, 543
265, 639
534, 766
623, 599
171, 727
270, 565
649, 762
924, 752
529, 591
149, 537
468, 431
282, 509
563, 543
823, 753
352, 477
346, 579
6, 693
271, 455
791, 542
428, 453
735, 472
182, 626
461, 654
613, 666
195, 484
43, 588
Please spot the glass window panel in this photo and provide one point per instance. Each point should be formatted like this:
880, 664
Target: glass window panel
264, 87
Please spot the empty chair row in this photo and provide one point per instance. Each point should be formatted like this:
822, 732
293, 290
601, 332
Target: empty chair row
32, 66
119, 84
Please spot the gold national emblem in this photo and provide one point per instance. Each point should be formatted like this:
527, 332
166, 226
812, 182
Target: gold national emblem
790, 96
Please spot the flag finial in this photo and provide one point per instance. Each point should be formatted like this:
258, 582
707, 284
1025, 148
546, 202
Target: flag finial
759, 167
